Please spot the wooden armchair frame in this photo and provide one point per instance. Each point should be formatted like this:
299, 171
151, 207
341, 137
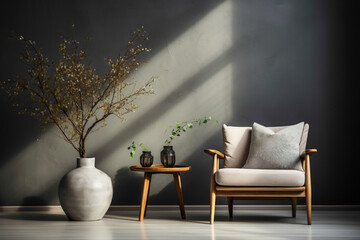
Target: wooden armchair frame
247, 193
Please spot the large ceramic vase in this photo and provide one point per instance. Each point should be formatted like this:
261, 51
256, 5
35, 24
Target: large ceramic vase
85, 192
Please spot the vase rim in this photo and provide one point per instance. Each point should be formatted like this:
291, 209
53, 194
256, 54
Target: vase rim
146, 151
86, 158
85, 162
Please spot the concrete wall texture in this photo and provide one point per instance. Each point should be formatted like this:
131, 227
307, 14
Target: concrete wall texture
274, 62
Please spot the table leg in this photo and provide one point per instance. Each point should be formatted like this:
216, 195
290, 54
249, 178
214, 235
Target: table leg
147, 177
147, 199
177, 182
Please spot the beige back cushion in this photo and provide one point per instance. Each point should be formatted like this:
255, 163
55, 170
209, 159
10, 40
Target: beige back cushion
237, 144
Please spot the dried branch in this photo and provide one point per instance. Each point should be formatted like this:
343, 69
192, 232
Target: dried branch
70, 94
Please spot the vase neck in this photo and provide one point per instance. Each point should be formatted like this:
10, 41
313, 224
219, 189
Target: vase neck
168, 147
85, 162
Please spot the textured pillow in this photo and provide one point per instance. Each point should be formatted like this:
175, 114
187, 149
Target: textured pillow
270, 150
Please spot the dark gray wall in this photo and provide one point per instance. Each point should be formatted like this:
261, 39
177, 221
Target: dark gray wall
273, 62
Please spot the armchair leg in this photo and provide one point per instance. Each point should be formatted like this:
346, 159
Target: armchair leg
293, 203
213, 188
212, 207
230, 201
308, 188
308, 206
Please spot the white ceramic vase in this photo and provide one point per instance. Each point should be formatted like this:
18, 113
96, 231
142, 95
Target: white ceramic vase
85, 193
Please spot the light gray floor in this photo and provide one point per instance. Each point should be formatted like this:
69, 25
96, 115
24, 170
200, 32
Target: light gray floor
247, 224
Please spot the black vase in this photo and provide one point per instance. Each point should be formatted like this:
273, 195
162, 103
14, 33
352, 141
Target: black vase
146, 159
168, 156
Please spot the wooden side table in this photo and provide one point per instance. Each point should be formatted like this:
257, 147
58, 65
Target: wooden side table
154, 169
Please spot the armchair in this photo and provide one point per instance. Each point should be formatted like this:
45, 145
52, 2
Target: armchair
237, 183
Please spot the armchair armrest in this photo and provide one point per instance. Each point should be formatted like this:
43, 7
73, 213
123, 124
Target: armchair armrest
212, 152
307, 152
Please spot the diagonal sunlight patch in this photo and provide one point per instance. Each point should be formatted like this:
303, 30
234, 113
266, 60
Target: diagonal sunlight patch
196, 48
196, 81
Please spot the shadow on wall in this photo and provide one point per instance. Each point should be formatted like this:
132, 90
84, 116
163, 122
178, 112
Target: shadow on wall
127, 187
274, 58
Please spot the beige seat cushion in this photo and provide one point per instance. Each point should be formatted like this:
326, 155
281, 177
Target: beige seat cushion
260, 177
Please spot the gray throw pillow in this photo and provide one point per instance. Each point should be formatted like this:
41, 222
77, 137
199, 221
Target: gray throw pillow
270, 150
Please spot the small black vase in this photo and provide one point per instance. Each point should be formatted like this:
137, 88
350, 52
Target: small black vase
168, 156
146, 159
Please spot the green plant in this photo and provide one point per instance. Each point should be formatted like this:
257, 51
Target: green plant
184, 127
69, 93
132, 148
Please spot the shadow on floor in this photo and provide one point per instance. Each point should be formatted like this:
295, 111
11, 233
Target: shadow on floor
221, 217
35, 216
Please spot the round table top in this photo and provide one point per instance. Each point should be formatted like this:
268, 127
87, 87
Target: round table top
160, 168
